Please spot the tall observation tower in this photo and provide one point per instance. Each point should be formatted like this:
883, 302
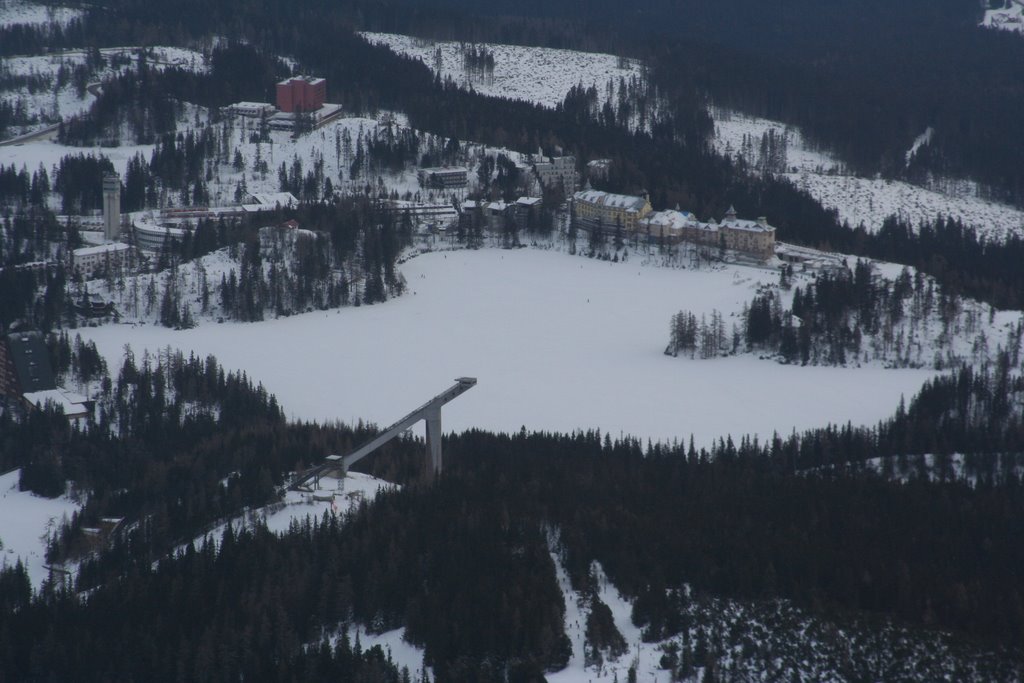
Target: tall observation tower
111, 207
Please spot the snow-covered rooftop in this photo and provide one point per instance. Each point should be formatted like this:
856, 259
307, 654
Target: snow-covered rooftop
741, 224
670, 220
272, 199
621, 201
70, 402
103, 248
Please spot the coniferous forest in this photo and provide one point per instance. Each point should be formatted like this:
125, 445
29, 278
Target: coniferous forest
885, 552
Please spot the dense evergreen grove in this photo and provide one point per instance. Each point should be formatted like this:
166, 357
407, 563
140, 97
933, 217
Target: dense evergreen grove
464, 564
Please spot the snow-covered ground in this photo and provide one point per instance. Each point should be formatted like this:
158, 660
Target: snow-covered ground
19, 12
337, 495
401, 653
557, 342
865, 200
1009, 18
64, 101
544, 76
49, 154
534, 74
26, 520
643, 656
967, 468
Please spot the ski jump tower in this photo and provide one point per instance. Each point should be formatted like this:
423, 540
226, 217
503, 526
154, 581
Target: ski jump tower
429, 412
111, 207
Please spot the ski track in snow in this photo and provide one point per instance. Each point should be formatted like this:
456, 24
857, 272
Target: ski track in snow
645, 655
557, 342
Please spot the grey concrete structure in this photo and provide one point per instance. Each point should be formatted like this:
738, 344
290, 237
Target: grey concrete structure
429, 412
111, 207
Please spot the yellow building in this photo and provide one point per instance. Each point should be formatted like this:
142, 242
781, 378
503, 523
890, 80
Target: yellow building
605, 211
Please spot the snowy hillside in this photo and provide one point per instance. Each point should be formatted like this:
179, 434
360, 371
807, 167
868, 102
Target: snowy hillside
558, 343
861, 200
534, 74
54, 93
26, 521
545, 75
334, 495
1009, 18
19, 12
751, 641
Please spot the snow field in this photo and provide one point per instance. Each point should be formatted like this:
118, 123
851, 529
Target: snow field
26, 520
65, 102
865, 200
557, 342
49, 154
14, 12
533, 74
1009, 18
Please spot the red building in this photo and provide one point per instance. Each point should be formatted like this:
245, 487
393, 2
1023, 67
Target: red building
301, 94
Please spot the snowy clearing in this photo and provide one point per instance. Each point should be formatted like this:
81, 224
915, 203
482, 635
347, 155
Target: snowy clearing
644, 656
864, 200
62, 99
557, 342
1009, 18
18, 12
534, 74
340, 496
49, 154
25, 522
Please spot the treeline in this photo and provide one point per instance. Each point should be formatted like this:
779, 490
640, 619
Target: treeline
345, 253
464, 565
38, 297
851, 317
18, 188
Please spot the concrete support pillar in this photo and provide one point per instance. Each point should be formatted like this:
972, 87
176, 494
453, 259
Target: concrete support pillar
433, 419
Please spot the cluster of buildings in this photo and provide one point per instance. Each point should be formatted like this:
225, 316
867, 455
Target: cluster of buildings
497, 216
551, 173
297, 96
27, 380
593, 210
443, 177
113, 252
153, 232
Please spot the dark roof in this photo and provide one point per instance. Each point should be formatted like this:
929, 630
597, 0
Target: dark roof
31, 361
